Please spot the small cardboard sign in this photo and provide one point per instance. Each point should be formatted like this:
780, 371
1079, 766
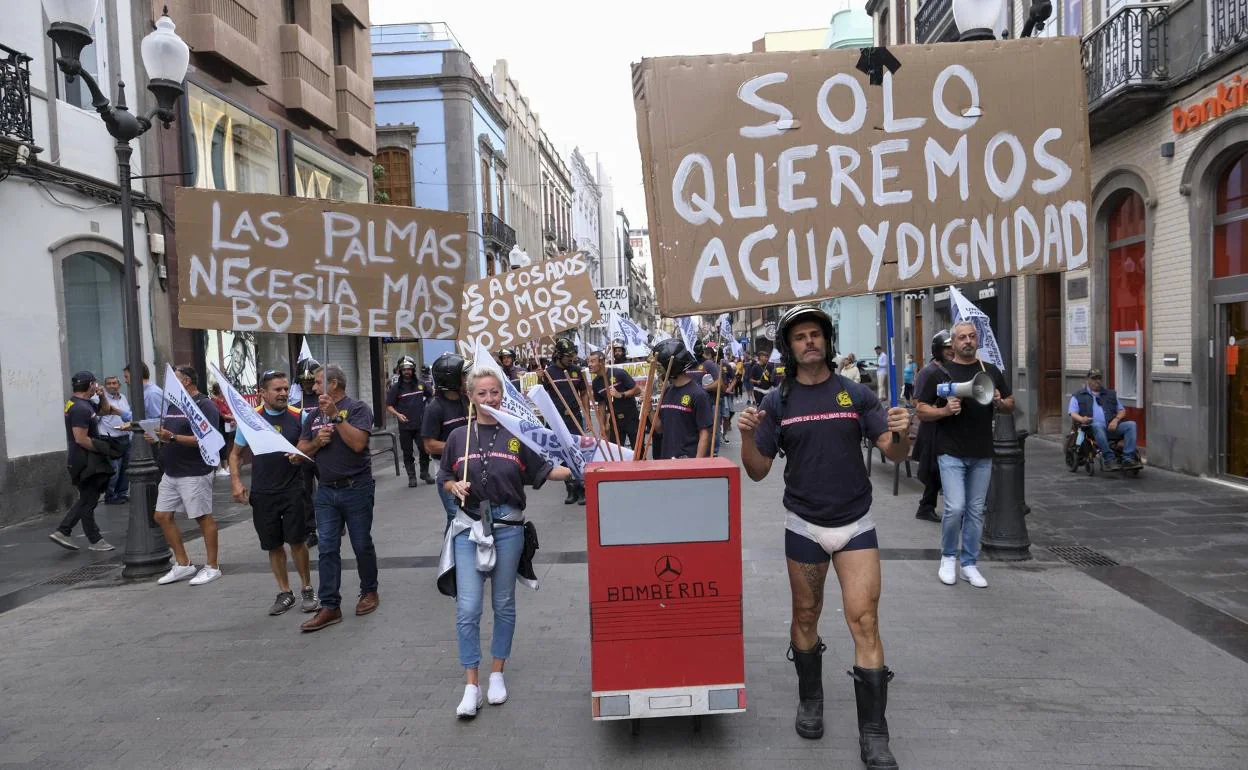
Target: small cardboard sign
276, 263
610, 299
526, 304
774, 178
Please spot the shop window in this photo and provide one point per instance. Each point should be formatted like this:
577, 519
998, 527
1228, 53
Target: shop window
94, 327
233, 150
1230, 228
319, 176
396, 182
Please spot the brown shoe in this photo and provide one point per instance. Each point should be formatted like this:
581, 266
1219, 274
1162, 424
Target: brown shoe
368, 603
323, 618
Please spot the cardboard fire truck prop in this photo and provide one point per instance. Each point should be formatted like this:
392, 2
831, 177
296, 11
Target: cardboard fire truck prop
664, 550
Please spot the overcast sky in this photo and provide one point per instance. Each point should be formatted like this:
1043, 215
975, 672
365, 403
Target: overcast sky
573, 64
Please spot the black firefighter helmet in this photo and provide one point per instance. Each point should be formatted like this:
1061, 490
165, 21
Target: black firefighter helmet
673, 350
405, 362
564, 347
940, 341
799, 314
305, 370
448, 371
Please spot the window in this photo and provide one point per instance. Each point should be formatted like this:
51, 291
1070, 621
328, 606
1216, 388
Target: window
94, 60
318, 176
883, 27
337, 33
640, 512
233, 150
498, 186
1072, 17
487, 196
903, 21
288, 12
396, 182
94, 325
1230, 230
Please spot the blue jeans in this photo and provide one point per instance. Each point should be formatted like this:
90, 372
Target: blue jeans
470, 590
964, 481
119, 485
1103, 435
450, 503
354, 505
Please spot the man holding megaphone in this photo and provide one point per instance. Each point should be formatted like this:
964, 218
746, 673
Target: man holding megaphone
961, 401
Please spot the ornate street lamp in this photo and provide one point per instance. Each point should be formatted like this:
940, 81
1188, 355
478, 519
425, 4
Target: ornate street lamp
166, 58
985, 19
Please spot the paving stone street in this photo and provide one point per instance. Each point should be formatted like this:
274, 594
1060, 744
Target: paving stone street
1144, 664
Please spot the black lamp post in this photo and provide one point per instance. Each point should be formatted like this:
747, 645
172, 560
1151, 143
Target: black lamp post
166, 58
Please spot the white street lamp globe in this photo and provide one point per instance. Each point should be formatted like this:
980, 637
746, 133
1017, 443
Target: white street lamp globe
165, 55
979, 19
80, 13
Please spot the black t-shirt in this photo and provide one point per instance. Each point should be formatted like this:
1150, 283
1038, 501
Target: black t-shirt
569, 384
761, 376
510, 464
79, 413
272, 472
685, 411
968, 433
177, 460
442, 416
336, 460
704, 368
408, 398
825, 477
624, 408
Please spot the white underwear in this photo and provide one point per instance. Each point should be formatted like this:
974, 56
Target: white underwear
830, 539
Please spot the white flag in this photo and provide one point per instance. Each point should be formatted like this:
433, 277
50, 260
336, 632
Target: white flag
965, 310
261, 437
624, 328
725, 326
211, 442
305, 352
737, 350
775, 356
687, 333
513, 400
661, 335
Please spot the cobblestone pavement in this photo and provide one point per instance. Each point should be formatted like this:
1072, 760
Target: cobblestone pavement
1051, 666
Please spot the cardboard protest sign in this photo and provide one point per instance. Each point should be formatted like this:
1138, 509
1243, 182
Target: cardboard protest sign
612, 299
281, 264
773, 178
541, 300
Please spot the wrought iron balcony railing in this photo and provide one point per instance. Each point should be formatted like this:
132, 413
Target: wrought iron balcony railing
15, 120
498, 231
1228, 25
1128, 50
929, 18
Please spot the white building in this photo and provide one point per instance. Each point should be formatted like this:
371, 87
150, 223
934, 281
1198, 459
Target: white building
586, 210
62, 244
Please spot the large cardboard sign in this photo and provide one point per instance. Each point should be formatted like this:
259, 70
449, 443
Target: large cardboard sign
780, 177
520, 305
274, 263
610, 299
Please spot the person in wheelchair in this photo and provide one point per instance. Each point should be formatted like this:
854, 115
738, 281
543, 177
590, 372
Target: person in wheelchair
1097, 409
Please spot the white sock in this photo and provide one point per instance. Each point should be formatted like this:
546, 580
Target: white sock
498, 690
471, 701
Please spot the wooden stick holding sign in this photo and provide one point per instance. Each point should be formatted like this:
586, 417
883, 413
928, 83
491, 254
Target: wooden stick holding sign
467, 446
590, 405
564, 402
615, 425
892, 358
719, 391
645, 412
654, 421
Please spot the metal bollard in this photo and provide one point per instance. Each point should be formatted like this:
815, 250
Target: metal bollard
1005, 530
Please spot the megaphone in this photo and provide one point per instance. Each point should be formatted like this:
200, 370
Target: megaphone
979, 388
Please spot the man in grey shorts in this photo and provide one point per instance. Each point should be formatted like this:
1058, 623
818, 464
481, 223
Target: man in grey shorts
818, 420
186, 486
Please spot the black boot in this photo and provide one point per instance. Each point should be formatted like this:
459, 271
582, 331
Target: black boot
809, 667
580, 494
927, 513
424, 474
871, 692
570, 486
411, 480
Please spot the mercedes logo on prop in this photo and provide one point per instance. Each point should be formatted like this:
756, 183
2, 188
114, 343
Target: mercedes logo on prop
667, 568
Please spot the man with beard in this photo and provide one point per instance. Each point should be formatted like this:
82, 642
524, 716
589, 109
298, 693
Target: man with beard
406, 401
818, 420
564, 383
617, 391
925, 441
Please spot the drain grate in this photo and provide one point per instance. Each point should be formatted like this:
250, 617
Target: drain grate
81, 575
1082, 556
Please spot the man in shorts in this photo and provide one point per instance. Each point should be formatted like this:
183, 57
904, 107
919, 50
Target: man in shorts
276, 493
186, 486
817, 419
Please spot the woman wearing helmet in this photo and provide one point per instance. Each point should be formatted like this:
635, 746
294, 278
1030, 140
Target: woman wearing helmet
818, 420
446, 412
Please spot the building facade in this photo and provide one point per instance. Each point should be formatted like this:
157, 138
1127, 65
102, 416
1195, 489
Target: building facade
279, 101
524, 188
63, 242
586, 206
556, 199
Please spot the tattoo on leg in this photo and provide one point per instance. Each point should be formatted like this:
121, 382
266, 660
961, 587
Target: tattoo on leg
814, 578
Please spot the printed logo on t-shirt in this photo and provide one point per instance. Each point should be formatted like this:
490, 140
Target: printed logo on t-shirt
513, 445
342, 414
685, 399
819, 417
843, 399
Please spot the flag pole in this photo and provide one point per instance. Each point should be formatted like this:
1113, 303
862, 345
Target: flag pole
645, 409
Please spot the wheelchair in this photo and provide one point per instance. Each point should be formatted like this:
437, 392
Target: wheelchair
1081, 452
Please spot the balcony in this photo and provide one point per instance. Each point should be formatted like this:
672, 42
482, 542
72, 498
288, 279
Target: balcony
355, 111
934, 22
15, 123
356, 9
1228, 25
307, 76
498, 231
227, 31
1125, 63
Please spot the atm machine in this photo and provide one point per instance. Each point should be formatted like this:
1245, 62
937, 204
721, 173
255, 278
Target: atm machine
1128, 367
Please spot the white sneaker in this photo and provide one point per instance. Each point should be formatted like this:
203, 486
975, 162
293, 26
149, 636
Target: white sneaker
472, 701
179, 572
970, 573
498, 690
206, 575
948, 570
